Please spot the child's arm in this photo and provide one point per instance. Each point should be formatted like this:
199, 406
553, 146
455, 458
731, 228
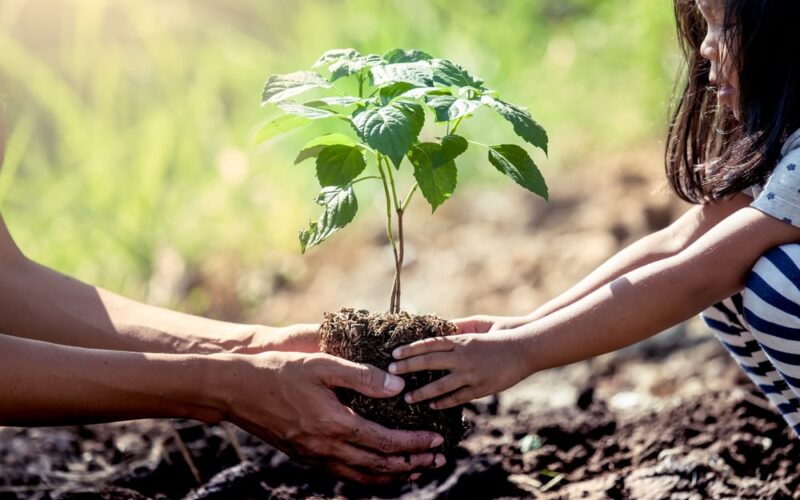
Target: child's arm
631, 308
656, 246
41, 304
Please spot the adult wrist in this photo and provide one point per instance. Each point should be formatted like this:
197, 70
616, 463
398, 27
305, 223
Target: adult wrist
214, 379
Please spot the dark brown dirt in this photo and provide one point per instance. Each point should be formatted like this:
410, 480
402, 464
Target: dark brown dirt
370, 338
722, 444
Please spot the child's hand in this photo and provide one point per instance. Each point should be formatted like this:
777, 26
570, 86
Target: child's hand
485, 323
479, 365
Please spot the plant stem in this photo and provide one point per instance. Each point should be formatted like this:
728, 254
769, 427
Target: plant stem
400, 256
360, 85
401, 243
395, 198
394, 305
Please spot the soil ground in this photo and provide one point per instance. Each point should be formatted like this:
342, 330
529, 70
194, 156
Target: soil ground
671, 417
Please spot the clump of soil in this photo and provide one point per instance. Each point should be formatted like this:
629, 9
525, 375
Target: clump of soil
370, 338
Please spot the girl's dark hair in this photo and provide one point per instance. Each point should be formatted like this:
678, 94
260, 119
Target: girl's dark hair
709, 154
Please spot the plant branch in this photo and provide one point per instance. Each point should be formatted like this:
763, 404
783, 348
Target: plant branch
478, 144
365, 178
455, 127
408, 197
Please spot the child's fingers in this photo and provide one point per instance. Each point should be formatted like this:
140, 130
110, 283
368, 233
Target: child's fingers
439, 387
431, 361
434, 344
473, 324
459, 397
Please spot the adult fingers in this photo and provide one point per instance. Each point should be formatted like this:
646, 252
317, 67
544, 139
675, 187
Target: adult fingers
439, 387
375, 437
351, 474
432, 361
433, 344
376, 463
366, 379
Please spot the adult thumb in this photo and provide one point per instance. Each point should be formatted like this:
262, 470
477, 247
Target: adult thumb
363, 378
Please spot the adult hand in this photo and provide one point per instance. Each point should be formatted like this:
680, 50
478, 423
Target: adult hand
287, 399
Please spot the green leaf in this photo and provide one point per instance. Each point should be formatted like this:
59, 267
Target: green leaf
314, 146
419, 74
400, 55
448, 108
339, 164
340, 208
452, 147
347, 67
345, 100
334, 55
515, 162
524, 124
436, 182
474, 93
345, 62
438, 154
418, 92
308, 111
281, 87
393, 91
279, 125
450, 74
390, 129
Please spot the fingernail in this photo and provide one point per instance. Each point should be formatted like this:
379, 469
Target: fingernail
408, 399
440, 460
393, 368
397, 352
392, 383
437, 441
432, 406
415, 476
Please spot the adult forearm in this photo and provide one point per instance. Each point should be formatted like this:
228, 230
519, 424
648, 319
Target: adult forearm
51, 384
41, 304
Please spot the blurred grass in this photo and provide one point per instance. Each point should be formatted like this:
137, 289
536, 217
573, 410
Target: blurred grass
130, 122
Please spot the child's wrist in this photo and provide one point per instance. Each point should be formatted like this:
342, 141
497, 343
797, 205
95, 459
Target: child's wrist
526, 349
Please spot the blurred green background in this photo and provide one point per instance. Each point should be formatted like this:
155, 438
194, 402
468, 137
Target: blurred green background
130, 122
